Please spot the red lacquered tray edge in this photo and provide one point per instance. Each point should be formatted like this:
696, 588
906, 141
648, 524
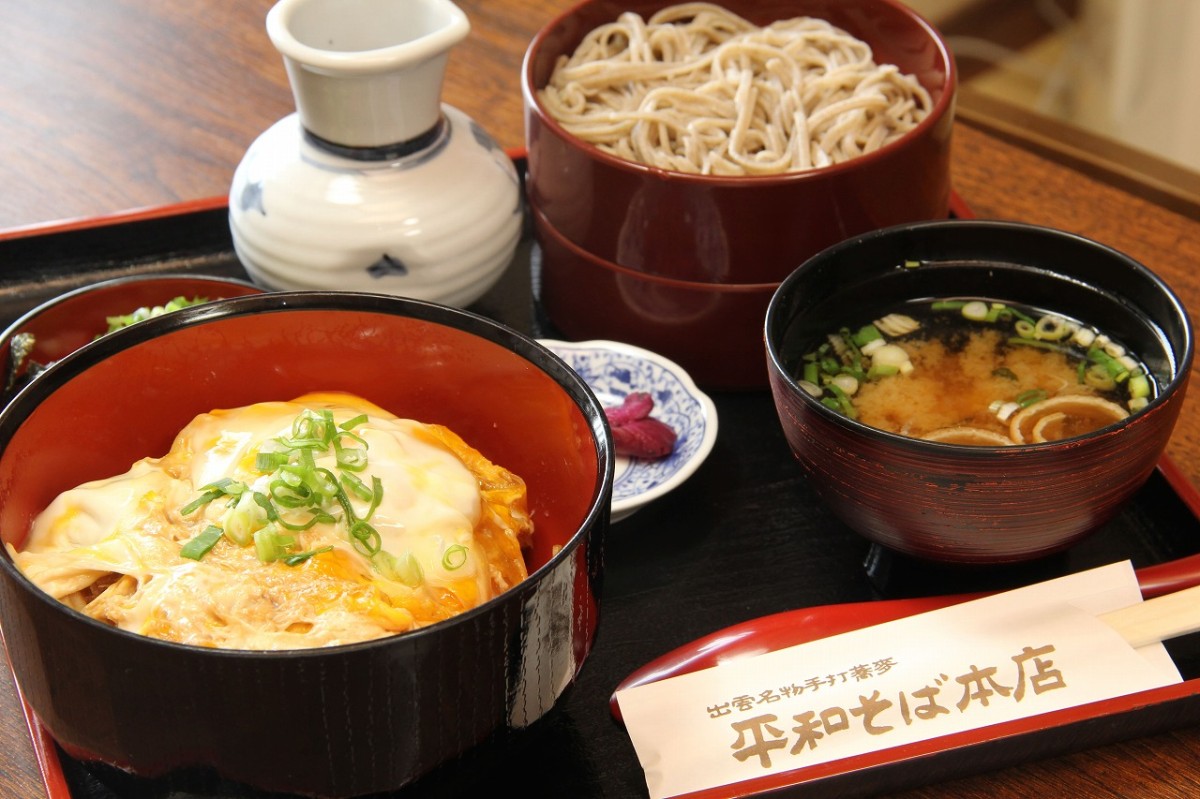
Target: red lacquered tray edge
1153, 579
771, 633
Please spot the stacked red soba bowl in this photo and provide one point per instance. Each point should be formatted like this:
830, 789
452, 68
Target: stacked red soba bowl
683, 259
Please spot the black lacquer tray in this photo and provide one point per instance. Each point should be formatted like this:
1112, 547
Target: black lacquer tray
744, 537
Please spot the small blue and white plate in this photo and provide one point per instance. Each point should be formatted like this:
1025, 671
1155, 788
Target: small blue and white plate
614, 370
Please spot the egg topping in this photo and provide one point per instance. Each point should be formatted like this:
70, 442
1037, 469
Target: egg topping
281, 525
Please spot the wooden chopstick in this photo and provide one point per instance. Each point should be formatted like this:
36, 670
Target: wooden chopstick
1159, 619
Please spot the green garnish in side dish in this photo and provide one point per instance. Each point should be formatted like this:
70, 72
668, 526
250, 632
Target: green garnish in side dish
22, 368
299, 494
144, 313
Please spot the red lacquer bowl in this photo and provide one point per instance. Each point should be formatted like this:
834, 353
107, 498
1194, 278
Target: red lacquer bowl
739, 229
345, 720
65, 323
713, 330
977, 504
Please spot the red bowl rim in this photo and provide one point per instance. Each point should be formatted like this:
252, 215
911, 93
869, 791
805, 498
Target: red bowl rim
24, 319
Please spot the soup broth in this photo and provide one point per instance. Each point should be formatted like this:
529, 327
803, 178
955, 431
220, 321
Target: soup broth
976, 372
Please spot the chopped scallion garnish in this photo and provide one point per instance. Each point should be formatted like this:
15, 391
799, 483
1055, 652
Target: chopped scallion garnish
296, 485
202, 544
454, 557
271, 545
297, 558
146, 312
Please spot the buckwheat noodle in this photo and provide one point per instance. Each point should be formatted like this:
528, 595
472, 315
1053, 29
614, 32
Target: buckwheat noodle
697, 88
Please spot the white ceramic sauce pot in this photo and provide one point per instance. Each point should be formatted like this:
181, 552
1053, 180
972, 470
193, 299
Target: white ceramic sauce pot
373, 184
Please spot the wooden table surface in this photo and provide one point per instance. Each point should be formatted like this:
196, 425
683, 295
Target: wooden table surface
121, 104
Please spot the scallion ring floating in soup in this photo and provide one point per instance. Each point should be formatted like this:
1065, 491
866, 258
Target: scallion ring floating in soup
976, 372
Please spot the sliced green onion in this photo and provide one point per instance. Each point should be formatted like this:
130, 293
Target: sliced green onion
1115, 368
1097, 376
324, 482
843, 401
1051, 328
998, 311
296, 558
975, 310
296, 484
244, 518
1031, 342
267, 462
225, 487
352, 458
852, 347
948, 305
1021, 316
148, 312
866, 333
350, 424
202, 544
404, 569
289, 495
365, 538
356, 487
199, 502
376, 497
271, 545
454, 557
1033, 395
853, 371
882, 370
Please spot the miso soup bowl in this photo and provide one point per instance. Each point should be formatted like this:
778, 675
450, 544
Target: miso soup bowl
730, 229
977, 504
343, 720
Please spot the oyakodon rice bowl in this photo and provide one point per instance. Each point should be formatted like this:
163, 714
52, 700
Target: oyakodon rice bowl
371, 716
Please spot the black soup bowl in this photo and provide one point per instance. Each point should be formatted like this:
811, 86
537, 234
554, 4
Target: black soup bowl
343, 720
970, 504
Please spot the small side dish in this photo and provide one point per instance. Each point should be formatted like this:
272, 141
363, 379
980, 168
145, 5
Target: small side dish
22, 367
62, 324
637, 434
618, 373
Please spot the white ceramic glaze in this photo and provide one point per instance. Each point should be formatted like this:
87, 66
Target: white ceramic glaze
383, 55
613, 370
374, 184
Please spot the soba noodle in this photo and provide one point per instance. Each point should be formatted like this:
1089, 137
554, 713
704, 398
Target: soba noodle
699, 89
